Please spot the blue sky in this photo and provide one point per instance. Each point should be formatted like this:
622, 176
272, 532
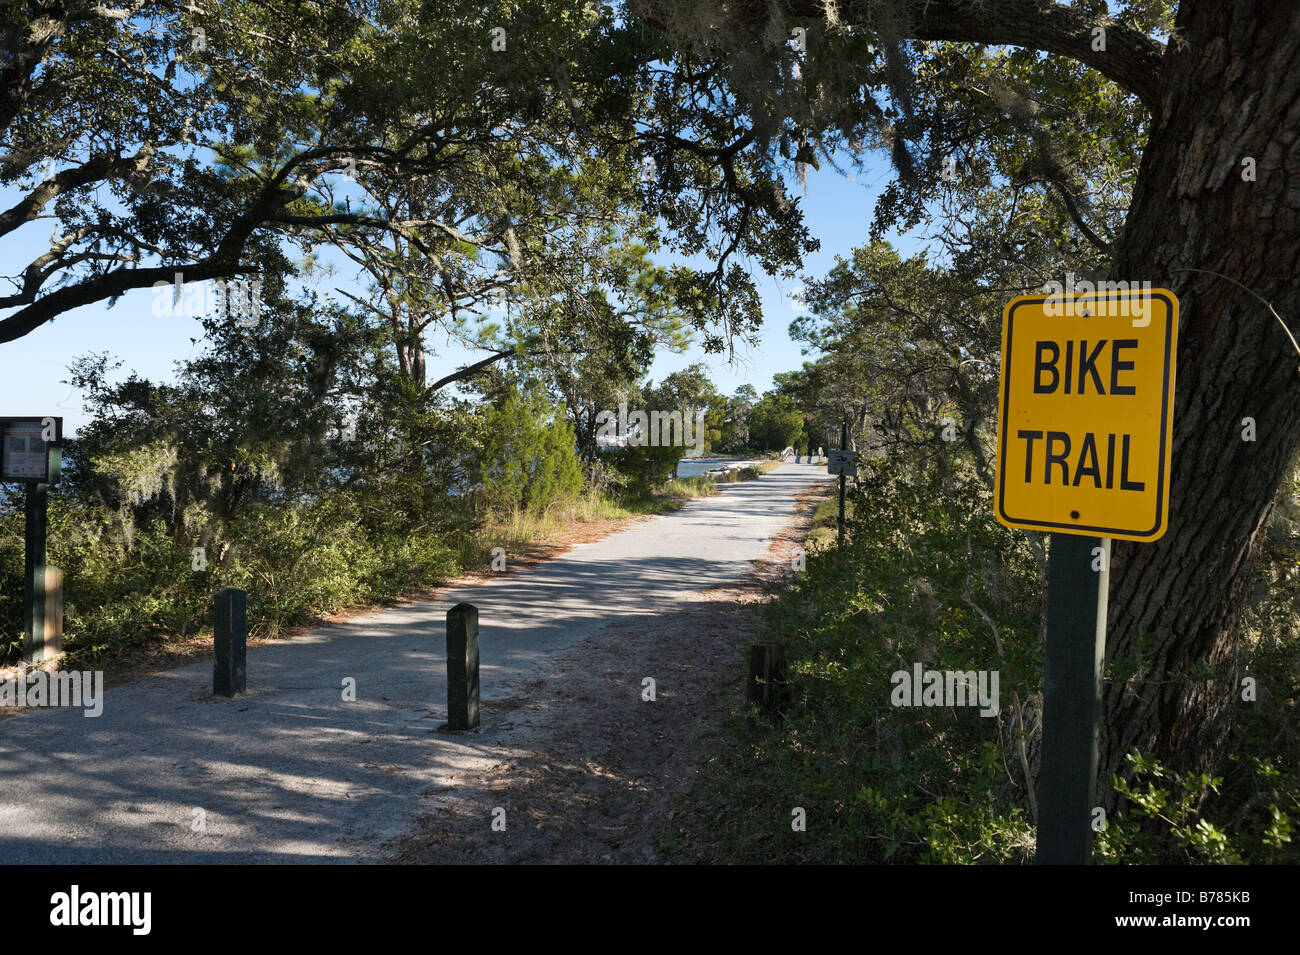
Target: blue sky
838, 212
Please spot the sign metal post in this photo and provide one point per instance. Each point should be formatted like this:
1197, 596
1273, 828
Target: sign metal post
31, 452
844, 463
1072, 662
1085, 423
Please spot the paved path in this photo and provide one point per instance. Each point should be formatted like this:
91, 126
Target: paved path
290, 772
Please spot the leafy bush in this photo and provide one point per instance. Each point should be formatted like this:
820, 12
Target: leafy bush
643, 468
1174, 818
927, 575
886, 783
529, 462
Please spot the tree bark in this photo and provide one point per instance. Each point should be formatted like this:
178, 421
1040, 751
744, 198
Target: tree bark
415, 357
469, 371
1229, 92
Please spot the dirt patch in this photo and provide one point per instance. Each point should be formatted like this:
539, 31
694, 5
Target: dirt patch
585, 768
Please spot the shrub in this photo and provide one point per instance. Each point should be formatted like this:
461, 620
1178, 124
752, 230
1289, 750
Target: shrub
891, 784
529, 462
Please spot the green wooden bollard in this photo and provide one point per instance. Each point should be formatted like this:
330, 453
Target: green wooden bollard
768, 689
230, 635
462, 667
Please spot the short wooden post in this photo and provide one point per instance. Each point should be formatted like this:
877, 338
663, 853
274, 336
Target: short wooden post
768, 689
51, 585
462, 667
230, 634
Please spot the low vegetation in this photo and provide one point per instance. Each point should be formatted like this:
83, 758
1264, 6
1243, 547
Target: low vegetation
926, 574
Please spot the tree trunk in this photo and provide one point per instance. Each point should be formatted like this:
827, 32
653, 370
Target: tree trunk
416, 358
414, 346
1230, 91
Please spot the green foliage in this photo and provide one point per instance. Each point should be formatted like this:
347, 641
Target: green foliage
690, 392
927, 575
733, 420
775, 423
644, 467
528, 461
449, 169
1182, 818
885, 783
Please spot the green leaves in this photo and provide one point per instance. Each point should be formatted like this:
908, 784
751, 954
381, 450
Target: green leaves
892, 784
527, 464
1191, 818
775, 423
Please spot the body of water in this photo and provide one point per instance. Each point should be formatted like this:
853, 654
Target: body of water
689, 467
